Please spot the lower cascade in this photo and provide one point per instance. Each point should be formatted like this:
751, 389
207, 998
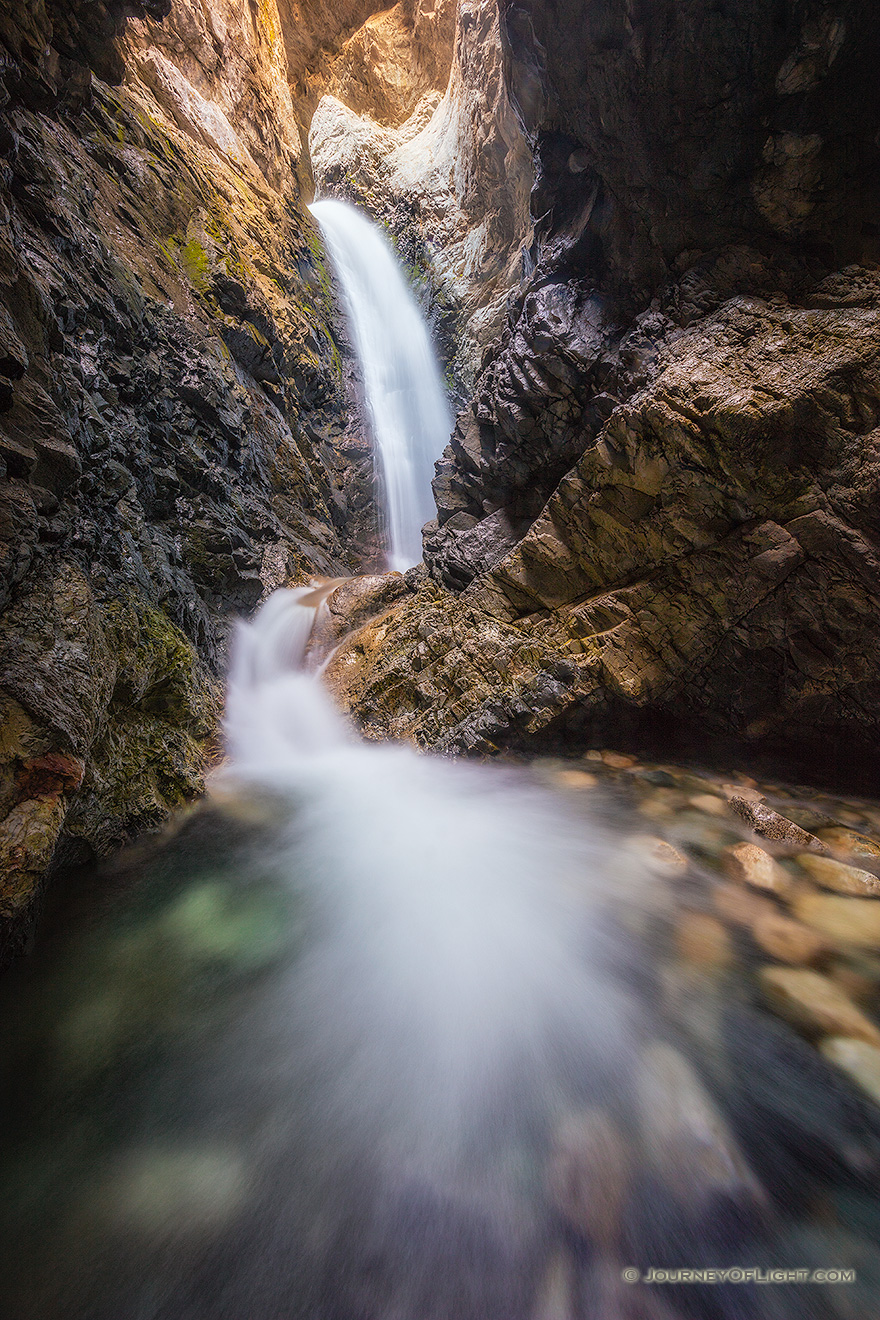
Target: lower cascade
403, 388
378, 1036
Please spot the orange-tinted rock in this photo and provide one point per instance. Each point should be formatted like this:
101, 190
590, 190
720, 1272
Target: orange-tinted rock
786, 939
817, 1004
702, 939
853, 921
843, 879
751, 865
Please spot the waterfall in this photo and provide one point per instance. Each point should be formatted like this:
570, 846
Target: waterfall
404, 391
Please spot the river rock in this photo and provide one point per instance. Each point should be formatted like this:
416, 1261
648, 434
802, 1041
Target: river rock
658, 855
853, 921
709, 803
740, 905
685, 1138
769, 823
859, 1059
849, 843
786, 939
816, 1003
750, 864
579, 780
588, 1175
702, 939
831, 874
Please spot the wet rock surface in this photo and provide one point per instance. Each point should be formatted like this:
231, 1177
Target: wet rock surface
710, 558
713, 281
173, 433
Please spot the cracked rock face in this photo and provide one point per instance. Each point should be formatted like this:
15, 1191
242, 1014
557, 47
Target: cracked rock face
662, 483
174, 434
706, 575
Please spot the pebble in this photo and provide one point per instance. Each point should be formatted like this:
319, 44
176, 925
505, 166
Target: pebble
814, 1002
577, 779
685, 1137
657, 809
767, 822
843, 879
659, 855
618, 760
750, 864
846, 920
743, 793
786, 939
858, 1059
702, 939
849, 842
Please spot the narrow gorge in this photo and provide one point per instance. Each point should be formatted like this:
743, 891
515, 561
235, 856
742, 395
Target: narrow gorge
498, 380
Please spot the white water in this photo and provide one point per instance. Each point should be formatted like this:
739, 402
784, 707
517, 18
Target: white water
393, 1048
402, 383
454, 944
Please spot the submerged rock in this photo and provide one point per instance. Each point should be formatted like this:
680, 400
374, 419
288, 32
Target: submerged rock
816, 1003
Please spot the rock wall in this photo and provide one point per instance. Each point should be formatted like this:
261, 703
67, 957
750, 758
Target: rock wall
655, 517
173, 424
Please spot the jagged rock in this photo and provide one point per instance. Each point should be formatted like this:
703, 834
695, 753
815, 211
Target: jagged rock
171, 396
667, 128
693, 577
771, 825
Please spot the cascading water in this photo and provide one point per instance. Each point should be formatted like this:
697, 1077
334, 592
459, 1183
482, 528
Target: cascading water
383, 1037
402, 384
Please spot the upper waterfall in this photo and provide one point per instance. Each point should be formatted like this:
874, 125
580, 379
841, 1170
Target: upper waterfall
404, 391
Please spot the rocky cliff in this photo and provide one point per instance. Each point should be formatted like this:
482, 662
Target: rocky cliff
173, 424
657, 519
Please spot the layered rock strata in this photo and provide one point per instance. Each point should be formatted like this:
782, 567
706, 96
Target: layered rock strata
172, 416
706, 575
655, 516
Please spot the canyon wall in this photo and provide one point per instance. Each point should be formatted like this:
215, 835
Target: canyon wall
646, 232
173, 425
658, 517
